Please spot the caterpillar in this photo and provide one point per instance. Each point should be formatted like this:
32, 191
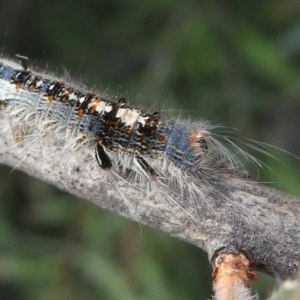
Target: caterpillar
142, 148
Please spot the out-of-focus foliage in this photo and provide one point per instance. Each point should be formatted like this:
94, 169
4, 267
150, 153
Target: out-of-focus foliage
288, 290
233, 62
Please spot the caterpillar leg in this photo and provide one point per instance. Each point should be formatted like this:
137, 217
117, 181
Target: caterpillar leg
102, 158
145, 166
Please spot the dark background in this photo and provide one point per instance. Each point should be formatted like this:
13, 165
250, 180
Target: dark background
232, 62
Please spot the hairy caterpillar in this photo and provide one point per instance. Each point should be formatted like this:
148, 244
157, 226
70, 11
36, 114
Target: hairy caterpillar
143, 149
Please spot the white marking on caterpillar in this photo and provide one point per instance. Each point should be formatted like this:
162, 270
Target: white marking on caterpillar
142, 149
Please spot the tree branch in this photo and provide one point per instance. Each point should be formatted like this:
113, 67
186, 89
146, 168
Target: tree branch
259, 221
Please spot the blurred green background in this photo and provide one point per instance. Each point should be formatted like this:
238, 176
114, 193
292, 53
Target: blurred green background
233, 62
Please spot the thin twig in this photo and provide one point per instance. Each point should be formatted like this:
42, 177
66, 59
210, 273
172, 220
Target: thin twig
231, 277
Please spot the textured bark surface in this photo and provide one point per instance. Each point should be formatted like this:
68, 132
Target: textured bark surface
259, 221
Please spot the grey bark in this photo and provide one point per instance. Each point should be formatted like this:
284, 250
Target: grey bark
260, 221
